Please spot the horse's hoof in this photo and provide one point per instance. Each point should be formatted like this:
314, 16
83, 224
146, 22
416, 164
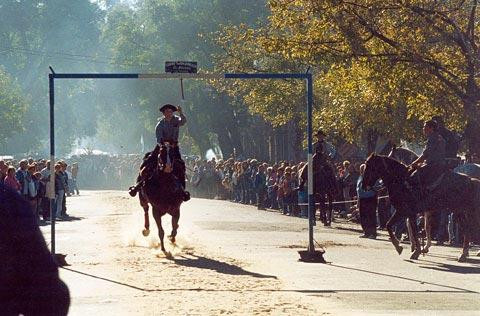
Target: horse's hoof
145, 232
399, 249
425, 250
415, 255
462, 258
172, 239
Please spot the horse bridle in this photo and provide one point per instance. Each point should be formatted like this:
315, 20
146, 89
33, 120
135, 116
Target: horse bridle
166, 166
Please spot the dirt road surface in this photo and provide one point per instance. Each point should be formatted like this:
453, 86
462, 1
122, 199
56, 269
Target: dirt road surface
234, 259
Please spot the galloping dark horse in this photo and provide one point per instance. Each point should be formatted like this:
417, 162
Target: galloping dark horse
407, 156
162, 191
324, 186
456, 192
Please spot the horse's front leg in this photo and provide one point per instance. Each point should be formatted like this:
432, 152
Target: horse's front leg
466, 240
330, 209
428, 230
175, 219
410, 234
414, 240
393, 219
161, 233
144, 204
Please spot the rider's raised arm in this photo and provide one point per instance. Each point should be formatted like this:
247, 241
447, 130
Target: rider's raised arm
183, 119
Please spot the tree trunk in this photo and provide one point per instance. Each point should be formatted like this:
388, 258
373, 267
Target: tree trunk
472, 128
371, 138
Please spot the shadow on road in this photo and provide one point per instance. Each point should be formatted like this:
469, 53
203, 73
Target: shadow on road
312, 292
194, 261
438, 266
66, 219
177, 289
405, 278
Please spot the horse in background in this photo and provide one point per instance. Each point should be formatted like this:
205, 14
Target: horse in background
162, 191
407, 156
455, 192
325, 186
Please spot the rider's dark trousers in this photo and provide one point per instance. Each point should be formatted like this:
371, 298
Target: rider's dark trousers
368, 215
175, 155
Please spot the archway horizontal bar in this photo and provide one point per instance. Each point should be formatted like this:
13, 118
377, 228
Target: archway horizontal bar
180, 76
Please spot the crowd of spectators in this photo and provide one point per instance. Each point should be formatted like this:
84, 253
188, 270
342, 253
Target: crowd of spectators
30, 178
273, 186
277, 187
267, 186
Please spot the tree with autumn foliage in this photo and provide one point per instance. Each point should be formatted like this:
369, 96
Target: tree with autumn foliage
380, 67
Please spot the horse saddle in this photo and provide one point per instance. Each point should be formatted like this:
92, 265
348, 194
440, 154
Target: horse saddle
427, 180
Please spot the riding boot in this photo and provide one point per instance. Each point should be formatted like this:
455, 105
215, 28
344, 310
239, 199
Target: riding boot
186, 196
185, 193
134, 189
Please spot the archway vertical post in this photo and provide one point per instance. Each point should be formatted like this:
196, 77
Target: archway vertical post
51, 90
311, 198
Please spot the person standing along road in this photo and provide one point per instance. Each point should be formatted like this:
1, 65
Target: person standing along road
74, 178
261, 187
367, 205
21, 176
3, 171
59, 191
11, 181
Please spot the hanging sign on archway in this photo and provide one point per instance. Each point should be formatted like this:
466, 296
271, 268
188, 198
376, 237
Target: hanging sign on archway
189, 67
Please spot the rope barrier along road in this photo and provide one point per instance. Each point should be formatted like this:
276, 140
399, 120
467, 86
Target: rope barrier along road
342, 202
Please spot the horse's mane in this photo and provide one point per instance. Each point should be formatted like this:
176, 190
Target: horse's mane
397, 166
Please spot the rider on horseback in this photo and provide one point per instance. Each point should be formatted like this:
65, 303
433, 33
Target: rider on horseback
322, 147
431, 164
167, 131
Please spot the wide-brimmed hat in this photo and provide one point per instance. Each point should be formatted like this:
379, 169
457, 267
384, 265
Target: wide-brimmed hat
168, 106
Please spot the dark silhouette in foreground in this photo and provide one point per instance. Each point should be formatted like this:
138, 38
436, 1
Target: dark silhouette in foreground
29, 281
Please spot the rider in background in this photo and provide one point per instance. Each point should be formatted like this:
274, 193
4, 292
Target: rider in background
451, 143
323, 147
431, 163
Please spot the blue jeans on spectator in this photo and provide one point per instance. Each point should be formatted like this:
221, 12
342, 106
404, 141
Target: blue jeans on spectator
288, 205
59, 203
280, 203
303, 199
